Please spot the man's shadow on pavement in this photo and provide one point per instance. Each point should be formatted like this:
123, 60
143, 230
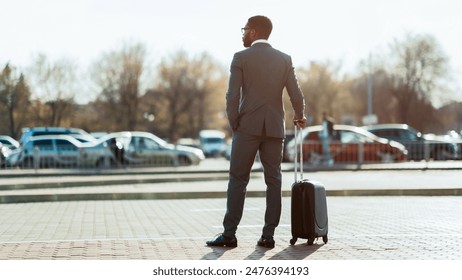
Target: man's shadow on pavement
216, 253
257, 254
292, 252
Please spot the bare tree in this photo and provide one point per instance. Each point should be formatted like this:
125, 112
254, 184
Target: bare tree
322, 88
14, 101
118, 76
185, 98
384, 106
54, 84
417, 67
209, 103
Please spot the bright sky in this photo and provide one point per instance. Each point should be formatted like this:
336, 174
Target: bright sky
336, 30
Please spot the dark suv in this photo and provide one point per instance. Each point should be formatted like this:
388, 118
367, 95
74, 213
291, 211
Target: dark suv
419, 146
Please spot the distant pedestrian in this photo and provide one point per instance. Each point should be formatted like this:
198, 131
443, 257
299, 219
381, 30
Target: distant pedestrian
117, 151
326, 137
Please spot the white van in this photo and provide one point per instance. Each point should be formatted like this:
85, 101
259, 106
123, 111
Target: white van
212, 142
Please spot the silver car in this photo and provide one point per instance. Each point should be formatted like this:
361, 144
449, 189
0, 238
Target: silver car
9, 142
8, 146
144, 148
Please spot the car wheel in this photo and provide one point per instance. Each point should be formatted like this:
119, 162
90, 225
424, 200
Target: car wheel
440, 154
100, 163
28, 162
184, 160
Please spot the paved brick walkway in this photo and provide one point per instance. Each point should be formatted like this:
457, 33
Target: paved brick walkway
360, 228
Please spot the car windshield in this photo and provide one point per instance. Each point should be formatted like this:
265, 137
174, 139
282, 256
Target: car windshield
408, 135
353, 137
214, 140
6, 142
65, 145
159, 141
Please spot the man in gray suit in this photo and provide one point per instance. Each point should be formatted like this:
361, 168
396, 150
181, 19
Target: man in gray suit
254, 105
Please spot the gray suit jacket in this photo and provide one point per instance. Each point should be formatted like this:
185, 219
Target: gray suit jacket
254, 102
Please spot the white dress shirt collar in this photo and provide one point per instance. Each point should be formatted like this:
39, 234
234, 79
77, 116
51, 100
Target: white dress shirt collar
260, 41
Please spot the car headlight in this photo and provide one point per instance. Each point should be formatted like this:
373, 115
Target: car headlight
200, 154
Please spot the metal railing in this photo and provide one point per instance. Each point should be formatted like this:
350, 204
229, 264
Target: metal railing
339, 153
364, 153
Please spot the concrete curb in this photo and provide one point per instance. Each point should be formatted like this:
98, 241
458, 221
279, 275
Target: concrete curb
103, 181
65, 180
29, 198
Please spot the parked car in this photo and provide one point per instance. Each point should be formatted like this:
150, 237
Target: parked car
56, 151
351, 144
212, 142
290, 134
144, 148
190, 142
37, 131
8, 146
9, 142
454, 137
419, 146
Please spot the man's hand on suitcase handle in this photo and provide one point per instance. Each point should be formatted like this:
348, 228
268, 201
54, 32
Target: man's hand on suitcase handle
301, 123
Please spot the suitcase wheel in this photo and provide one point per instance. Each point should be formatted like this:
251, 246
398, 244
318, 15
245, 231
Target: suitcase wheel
293, 240
325, 239
310, 241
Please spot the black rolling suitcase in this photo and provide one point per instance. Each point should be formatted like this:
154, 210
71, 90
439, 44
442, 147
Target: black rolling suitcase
308, 205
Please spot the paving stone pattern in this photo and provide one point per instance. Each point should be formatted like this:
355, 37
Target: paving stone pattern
360, 228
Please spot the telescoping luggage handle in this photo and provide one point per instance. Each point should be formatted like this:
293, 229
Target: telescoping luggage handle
298, 134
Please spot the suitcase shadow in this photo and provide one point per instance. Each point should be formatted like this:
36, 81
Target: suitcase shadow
296, 252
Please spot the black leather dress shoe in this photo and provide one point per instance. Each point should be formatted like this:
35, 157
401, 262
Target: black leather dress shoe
223, 241
267, 242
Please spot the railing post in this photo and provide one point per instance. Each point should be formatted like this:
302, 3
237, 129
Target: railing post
107, 162
36, 158
360, 154
427, 151
176, 161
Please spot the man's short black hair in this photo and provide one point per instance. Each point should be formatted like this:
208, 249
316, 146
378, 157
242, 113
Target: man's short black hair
262, 25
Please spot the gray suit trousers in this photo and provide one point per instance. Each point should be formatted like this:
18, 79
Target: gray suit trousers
244, 150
